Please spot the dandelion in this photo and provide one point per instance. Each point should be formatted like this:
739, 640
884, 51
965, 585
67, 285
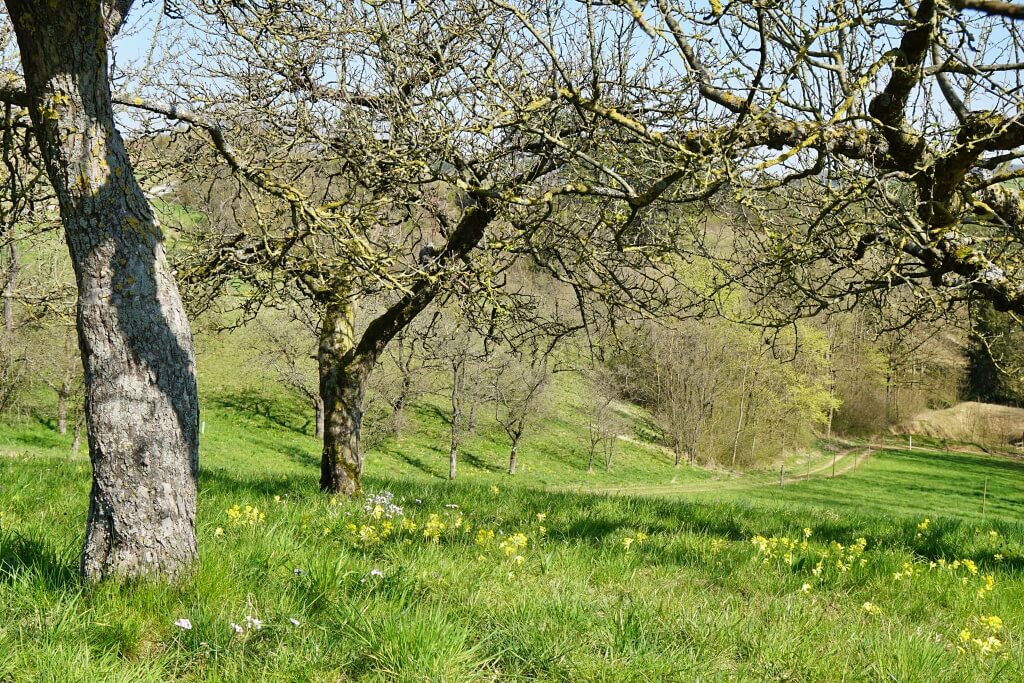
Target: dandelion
923, 524
640, 537
871, 608
494, 490
183, 624
218, 532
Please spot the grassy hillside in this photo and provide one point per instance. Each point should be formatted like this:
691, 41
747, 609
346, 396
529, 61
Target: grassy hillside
887, 572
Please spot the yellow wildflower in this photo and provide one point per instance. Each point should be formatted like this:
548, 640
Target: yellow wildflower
992, 623
433, 528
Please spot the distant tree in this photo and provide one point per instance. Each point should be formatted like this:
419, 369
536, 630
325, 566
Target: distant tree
520, 382
995, 357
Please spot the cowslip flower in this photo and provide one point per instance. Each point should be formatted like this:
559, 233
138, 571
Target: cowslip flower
871, 608
992, 623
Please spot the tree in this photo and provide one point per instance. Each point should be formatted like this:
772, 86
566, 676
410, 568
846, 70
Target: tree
519, 385
136, 345
288, 344
688, 377
378, 169
853, 149
995, 356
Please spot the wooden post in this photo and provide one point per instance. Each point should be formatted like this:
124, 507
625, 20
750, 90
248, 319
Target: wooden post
984, 498
782, 475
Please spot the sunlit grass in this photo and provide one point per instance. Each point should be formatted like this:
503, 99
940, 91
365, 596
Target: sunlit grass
521, 578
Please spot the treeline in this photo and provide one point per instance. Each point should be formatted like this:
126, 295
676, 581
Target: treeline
721, 393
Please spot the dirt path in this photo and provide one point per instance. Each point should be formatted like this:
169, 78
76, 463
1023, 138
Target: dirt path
846, 461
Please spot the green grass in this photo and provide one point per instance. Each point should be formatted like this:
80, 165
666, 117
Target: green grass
694, 600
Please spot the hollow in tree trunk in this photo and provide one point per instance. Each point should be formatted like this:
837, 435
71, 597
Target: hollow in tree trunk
140, 389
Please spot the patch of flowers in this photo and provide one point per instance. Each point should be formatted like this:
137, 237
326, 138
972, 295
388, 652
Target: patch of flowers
983, 640
247, 516
382, 505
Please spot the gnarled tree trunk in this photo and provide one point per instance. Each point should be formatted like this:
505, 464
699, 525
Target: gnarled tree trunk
343, 377
140, 389
345, 366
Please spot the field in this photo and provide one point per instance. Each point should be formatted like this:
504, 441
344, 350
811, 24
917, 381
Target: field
890, 571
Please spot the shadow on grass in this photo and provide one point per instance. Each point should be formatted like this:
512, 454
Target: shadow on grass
219, 481
252, 405
416, 462
479, 463
20, 555
38, 439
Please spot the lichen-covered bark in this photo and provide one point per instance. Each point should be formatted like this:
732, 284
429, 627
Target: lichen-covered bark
345, 365
343, 377
140, 390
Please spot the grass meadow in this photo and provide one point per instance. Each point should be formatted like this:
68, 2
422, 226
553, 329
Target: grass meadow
887, 572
